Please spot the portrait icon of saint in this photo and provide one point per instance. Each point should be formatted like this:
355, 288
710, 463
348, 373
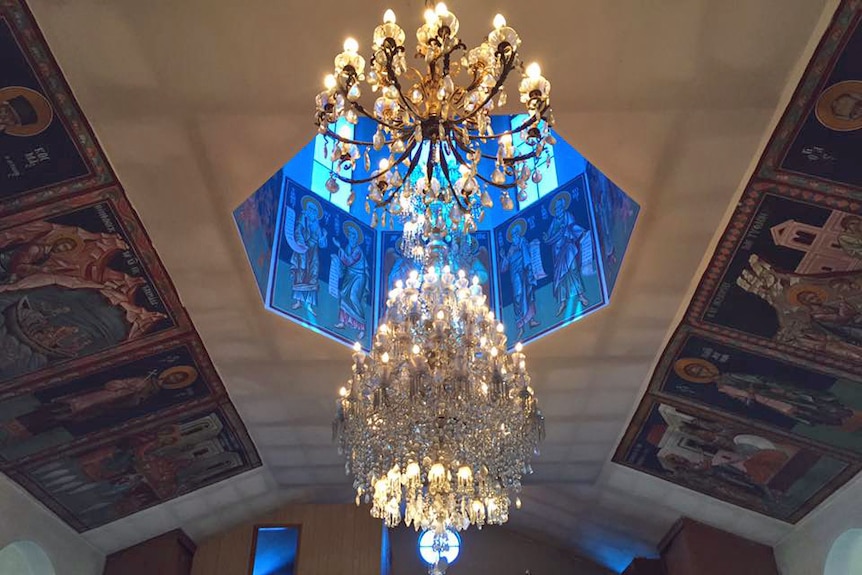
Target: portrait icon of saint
306, 238
518, 262
353, 290
566, 239
23, 112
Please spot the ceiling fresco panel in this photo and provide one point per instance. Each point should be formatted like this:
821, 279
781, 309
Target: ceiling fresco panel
80, 406
47, 149
108, 480
764, 374
817, 143
109, 403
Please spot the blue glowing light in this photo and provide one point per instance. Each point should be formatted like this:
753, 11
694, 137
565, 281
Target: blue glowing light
430, 556
275, 551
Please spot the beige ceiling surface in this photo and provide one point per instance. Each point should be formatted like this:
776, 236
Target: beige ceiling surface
198, 102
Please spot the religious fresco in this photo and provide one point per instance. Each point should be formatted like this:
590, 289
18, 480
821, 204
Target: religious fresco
547, 262
100, 483
256, 219
819, 139
325, 266
616, 214
472, 253
801, 401
730, 461
77, 279
47, 149
79, 405
789, 276
771, 342
108, 401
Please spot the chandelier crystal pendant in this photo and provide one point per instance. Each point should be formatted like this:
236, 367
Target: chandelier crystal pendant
439, 420
434, 127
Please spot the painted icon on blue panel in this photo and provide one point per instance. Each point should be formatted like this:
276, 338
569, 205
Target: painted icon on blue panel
324, 268
547, 259
275, 550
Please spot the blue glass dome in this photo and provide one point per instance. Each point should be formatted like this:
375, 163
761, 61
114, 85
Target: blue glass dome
552, 260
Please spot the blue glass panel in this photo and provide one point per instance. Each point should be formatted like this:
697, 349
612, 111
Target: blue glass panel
275, 550
616, 214
548, 272
325, 265
256, 219
547, 168
323, 167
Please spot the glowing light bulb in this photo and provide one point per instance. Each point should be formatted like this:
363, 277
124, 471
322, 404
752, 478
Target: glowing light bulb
383, 165
357, 346
534, 71
329, 81
437, 471
351, 45
440, 314
500, 328
384, 358
342, 392
430, 17
416, 349
441, 10
345, 131
499, 21
389, 16
465, 473
517, 503
494, 352
412, 470
519, 347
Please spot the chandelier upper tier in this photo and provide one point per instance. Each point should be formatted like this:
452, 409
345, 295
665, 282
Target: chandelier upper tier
433, 128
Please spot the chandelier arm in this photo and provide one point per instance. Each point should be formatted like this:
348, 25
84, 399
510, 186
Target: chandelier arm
373, 177
527, 124
361, 109
503, 186
508, 66
464, 207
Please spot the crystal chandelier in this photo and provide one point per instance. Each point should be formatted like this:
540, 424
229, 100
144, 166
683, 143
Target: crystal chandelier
435, 127
438, 419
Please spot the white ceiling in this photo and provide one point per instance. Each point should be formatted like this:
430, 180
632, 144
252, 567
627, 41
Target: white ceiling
198, 102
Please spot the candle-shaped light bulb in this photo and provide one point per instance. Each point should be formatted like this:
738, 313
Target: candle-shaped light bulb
441, 10
519, 347
500, 328
416, 349
345, 132
499, 21
351, 45
389, 16
342, 392
534, 71
440, 315
383, 165
384, 357
329, 81
494, 352
357, 347
430, 17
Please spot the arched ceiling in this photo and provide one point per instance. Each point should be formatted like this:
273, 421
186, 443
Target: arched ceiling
197, 103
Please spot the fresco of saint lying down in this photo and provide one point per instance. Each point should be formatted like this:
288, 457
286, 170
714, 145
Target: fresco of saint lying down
46, 417
809, 403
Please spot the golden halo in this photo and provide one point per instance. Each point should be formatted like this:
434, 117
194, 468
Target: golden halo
795, 293
41, 105
347, 225
311, 200
55, 238
850, 90
190, 375
696, 370
568, 200
519, 226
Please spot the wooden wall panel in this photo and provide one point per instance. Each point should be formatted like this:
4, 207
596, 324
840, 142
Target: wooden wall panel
335, 540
